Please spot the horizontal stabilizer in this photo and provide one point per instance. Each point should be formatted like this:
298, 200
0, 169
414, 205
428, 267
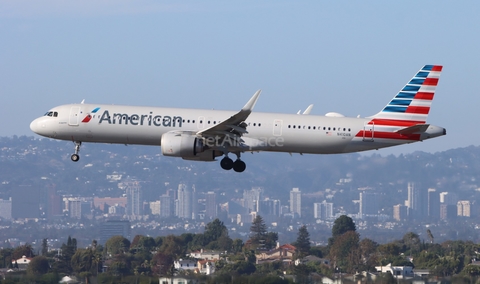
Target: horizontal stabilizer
415, 129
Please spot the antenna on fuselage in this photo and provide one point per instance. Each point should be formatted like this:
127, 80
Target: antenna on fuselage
82, 101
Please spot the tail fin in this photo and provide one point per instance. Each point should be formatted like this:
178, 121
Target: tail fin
412, 103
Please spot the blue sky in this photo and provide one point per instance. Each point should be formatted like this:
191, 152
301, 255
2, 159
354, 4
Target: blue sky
345, 56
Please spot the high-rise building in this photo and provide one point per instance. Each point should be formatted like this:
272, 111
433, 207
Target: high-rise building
400, 212
416, 202
155, 207
433, 204
270, 207
323, 210
75, 208
134, 199
6, 209
54, 203
463, 208
166, 206
252, 199
368, 204
112, 228
448, 198
448, 211
186, 207
210, 205
296, 202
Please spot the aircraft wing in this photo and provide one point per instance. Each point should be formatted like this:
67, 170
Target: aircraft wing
416, 129
234, 126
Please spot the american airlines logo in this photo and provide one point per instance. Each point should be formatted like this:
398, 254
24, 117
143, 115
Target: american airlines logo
137, 119
89, 116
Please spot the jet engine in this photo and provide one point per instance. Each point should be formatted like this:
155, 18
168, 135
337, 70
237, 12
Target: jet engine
185, 145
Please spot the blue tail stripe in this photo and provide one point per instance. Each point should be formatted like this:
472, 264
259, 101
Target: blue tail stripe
400, 102
417, 81
410, 88
428, 67
422, 74
394, 109
405, 95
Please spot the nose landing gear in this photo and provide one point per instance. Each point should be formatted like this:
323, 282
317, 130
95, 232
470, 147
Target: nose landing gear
75, 157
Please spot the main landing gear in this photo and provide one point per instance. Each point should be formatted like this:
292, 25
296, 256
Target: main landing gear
75, 157
227, 164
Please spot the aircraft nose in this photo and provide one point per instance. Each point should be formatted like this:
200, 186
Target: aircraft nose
34, 126
37, 126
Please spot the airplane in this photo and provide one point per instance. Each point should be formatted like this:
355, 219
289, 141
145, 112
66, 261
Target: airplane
204, 135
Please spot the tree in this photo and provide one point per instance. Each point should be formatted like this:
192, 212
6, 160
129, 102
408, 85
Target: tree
430, 236
162, 264
303, 242
412, 242
173, 246
214, 230
345, 252
368, 250
258, 232
237, 245
44, 247
25, 250
342, 225
117, 245
82, 260
38, 266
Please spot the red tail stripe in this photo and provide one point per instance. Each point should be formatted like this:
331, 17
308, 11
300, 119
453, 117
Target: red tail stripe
424, 96
431, 81
395, 122
437, 68
418, 109
387, 135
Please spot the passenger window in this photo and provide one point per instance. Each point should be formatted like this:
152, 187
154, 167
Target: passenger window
259, 124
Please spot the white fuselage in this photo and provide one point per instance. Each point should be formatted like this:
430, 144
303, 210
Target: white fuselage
276, 132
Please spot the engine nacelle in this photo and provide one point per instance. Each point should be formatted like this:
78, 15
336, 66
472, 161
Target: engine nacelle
181, 144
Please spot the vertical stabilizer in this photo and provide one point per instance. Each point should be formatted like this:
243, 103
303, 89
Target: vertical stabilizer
412, 103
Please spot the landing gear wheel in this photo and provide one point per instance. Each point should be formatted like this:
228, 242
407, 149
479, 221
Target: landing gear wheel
226, 163
239, 166
75, 157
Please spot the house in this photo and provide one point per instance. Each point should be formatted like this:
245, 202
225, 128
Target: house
206, 267
185, 264
21, 262
177, 280
399, 272
312, 258
209, 255
280, 253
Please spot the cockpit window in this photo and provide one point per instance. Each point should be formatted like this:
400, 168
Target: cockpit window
51, 113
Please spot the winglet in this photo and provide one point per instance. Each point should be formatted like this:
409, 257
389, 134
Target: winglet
251, 103
308, 110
